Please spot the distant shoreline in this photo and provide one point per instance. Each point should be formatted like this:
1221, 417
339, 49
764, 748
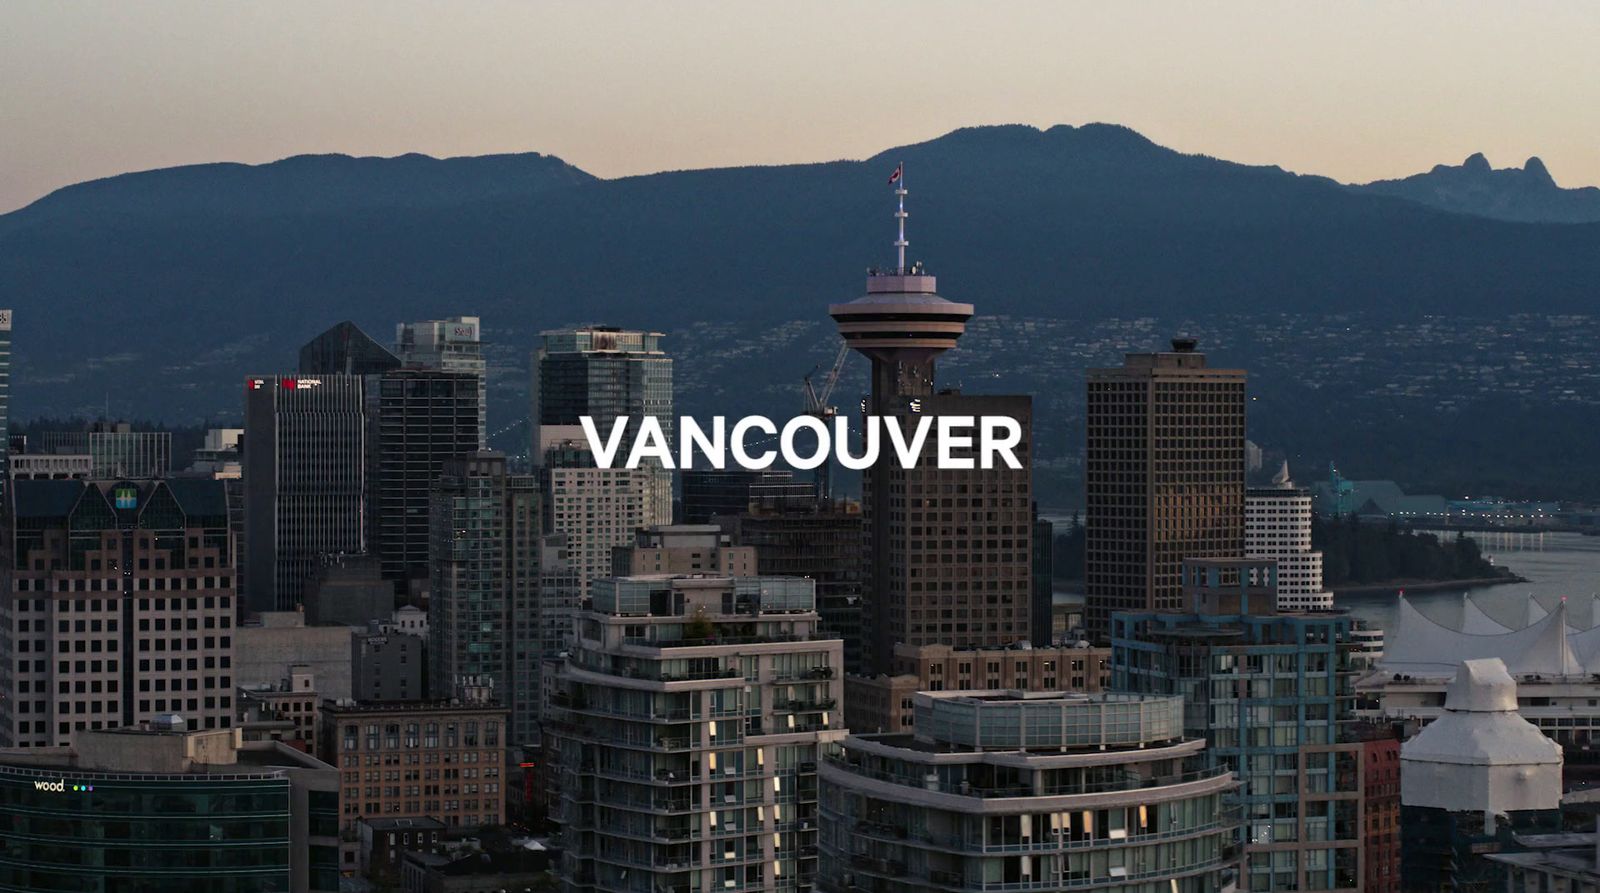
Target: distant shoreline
1398, 586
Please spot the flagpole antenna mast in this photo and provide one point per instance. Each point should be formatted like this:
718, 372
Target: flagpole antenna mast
900, 215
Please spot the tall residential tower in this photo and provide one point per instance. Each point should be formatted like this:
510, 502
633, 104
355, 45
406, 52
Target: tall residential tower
686, 727
482, 624
1277, 525
604, 373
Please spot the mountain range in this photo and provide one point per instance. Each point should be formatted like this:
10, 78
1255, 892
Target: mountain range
154, 293
1527, 194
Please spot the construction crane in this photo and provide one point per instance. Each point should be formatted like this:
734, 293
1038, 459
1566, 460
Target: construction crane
817, 405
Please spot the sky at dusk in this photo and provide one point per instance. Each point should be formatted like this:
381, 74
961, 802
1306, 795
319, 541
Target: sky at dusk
1356, 91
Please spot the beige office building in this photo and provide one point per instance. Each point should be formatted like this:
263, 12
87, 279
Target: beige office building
1164, 478
118, 608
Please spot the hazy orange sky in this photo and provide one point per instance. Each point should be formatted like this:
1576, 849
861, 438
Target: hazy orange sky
1356, 91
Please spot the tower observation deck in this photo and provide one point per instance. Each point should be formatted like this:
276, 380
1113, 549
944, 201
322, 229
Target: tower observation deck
901, 324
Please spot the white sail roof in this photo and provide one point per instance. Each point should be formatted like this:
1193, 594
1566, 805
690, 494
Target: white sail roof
1475, 622
1536, 612
1421, 647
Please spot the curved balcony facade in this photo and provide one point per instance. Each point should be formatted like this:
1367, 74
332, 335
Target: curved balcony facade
1014, 791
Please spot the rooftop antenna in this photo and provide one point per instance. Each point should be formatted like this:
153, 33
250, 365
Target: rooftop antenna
898, 179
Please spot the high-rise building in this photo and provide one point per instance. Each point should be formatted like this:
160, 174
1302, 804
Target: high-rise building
1272, 694
821, 541
686, 730
5, 397
950, 550
1163, 478
417, 420
595, 509
118, 607
163, 806
114, 449
1010, 790
451, 345
604, 373
419, 411
710, 493
1277, 525
481, 604
304, 481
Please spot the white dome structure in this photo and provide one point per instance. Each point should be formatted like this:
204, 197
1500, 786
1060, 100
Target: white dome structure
1480, 755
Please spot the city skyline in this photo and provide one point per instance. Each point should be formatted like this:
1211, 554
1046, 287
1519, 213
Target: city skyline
1071, 626
94, 91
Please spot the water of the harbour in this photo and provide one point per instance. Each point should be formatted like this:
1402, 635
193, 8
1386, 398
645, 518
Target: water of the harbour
1556, 565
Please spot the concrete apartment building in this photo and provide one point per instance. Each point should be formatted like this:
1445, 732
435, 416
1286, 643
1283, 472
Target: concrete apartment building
1008, 790
1163, 477
686, 728
885, 703
417, 759
594, 509
117, 607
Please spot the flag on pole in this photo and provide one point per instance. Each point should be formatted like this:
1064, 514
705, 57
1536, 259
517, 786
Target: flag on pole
898, 170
